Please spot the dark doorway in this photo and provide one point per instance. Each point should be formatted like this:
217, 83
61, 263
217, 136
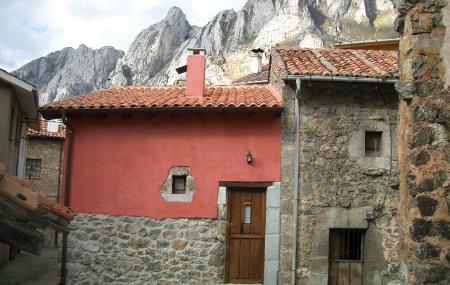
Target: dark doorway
346, 257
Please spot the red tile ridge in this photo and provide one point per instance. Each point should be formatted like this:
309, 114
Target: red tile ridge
66, 213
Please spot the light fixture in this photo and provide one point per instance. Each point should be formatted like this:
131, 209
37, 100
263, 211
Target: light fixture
249, 158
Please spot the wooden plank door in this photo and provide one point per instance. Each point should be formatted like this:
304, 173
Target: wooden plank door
346, 257
246, 230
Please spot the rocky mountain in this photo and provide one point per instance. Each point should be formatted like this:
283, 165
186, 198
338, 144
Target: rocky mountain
70, 72
156, 51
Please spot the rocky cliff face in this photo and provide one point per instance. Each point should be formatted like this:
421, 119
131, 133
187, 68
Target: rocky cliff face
70, 72
228, 37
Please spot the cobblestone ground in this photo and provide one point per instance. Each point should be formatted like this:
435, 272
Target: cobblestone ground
28, 269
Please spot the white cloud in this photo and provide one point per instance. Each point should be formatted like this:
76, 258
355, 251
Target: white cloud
32, 29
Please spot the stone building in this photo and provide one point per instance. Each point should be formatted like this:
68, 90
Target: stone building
43, 164
424, 150
334, 218
363, 197
339, 166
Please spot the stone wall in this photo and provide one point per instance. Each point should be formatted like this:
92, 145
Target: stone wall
137, 250
338, 183
50, 153
424, 151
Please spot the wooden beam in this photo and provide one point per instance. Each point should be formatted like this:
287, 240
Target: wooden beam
20, 239
100, 115
12, 210
125, 115
59, 228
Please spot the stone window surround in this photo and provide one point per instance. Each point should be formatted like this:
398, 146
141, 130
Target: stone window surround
167, 187
356, 146
272, 236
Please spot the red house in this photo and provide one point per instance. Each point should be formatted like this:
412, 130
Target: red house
173, 184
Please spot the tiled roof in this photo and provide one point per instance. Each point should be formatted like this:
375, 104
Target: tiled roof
335, 62
262, 76
64, 212
44, 133
133, 97
13, 186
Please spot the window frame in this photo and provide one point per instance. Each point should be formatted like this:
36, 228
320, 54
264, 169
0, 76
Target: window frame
29, 167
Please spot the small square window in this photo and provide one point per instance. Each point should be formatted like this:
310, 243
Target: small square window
179, 184
33, 168
373, 143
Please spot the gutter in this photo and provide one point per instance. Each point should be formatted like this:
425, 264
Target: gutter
66, 195
252, 82
296, 182
340, 79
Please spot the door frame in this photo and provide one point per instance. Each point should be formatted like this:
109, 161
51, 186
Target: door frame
228, 235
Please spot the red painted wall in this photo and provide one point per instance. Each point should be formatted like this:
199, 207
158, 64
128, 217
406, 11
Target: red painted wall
118, 164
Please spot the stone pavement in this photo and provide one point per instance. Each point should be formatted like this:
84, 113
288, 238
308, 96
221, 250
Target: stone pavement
33, 270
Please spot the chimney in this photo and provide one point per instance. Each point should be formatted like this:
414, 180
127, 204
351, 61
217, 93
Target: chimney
255, 62
195, 74
52, 126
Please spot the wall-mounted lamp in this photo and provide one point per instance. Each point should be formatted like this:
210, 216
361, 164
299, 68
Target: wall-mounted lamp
249, 158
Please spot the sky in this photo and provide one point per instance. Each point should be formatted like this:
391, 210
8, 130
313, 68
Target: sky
31, 29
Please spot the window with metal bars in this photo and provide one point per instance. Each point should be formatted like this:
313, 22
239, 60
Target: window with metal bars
347, 244
33, 168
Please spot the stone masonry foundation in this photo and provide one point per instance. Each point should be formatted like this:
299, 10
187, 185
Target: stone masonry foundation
137, 250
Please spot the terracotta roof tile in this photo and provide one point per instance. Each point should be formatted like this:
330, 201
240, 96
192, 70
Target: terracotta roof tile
66, 213
262, 76
44, 133
336, 62
166, 97
17, 185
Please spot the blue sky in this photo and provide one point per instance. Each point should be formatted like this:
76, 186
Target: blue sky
32, 29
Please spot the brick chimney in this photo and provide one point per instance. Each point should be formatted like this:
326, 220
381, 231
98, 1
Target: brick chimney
195, 74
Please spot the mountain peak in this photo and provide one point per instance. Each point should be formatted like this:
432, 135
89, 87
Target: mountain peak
158, 49
174, 14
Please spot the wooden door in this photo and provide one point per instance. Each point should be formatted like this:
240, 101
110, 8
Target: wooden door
346, 257
246, 229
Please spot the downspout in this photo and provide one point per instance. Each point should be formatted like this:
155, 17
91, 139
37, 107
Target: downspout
66, 195
58, 190
296, 181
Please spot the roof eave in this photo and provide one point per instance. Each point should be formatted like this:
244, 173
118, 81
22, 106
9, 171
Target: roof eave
50, 114
340, 79
45, 137
251, 82
26, 96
